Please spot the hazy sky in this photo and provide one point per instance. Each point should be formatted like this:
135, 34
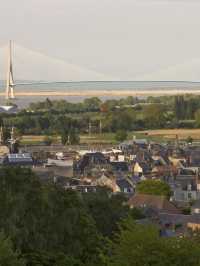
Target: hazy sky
126, 39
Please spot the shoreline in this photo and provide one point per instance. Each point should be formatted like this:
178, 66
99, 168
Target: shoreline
95, 93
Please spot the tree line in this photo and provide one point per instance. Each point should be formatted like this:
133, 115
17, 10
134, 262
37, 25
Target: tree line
41, 224
129, 114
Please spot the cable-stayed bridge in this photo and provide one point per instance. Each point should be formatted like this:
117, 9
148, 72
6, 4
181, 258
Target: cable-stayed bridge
43, 69
30, 73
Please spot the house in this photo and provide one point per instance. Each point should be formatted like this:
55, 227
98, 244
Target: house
59, 162
141, 143
194, 157
159, 161
135, 179
92, 160
177, 224
185, 194
180, 224
178, 162
144, 156
178, 152
119, 166
62, 168
4, 150
18, 159
194, 223
151, 201
186, 187
53, 174
105, 181
195, 209
125, 186
141, 168
126, 146
164, 171
158, 150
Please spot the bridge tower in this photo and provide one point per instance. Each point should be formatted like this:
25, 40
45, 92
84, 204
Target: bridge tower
9, 80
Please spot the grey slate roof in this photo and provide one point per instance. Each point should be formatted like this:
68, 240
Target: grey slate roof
19, 159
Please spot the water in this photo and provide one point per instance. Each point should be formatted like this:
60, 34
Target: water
95, 85
107, 85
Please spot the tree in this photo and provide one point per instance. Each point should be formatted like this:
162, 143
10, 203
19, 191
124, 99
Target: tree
107, 211
121, 135
104, 108
111, 104
189, 140
137, 245
180, 107
9, 257
154, 187
92, 104
46, 218
64, 138
119, 120
6, 135
43, 122
48, 103
130, 100
197, 118
15, 148
74, 137
154, 115
42, 258
70, 137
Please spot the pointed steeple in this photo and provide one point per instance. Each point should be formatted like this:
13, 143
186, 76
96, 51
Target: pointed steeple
12, 134
12, 139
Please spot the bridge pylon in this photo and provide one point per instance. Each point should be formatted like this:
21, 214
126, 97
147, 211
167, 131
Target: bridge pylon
9, 79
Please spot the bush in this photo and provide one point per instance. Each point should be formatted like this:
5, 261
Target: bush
121, 135
154, 187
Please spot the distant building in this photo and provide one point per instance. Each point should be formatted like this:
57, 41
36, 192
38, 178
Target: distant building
195, 209
4, 150
151, 201
20, 159
61, 163
105, 181
9, 109
125, 186
142, 168
91, 161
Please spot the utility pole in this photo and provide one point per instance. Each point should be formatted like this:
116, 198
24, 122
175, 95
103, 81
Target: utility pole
100, 127
90, 128
177, 142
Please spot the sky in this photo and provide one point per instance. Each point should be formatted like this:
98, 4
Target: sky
116, 39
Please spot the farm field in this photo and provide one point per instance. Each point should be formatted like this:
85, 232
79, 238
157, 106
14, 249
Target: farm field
109, 138
106, 138
172, 133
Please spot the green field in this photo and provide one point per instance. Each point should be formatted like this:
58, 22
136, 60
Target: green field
104, 138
